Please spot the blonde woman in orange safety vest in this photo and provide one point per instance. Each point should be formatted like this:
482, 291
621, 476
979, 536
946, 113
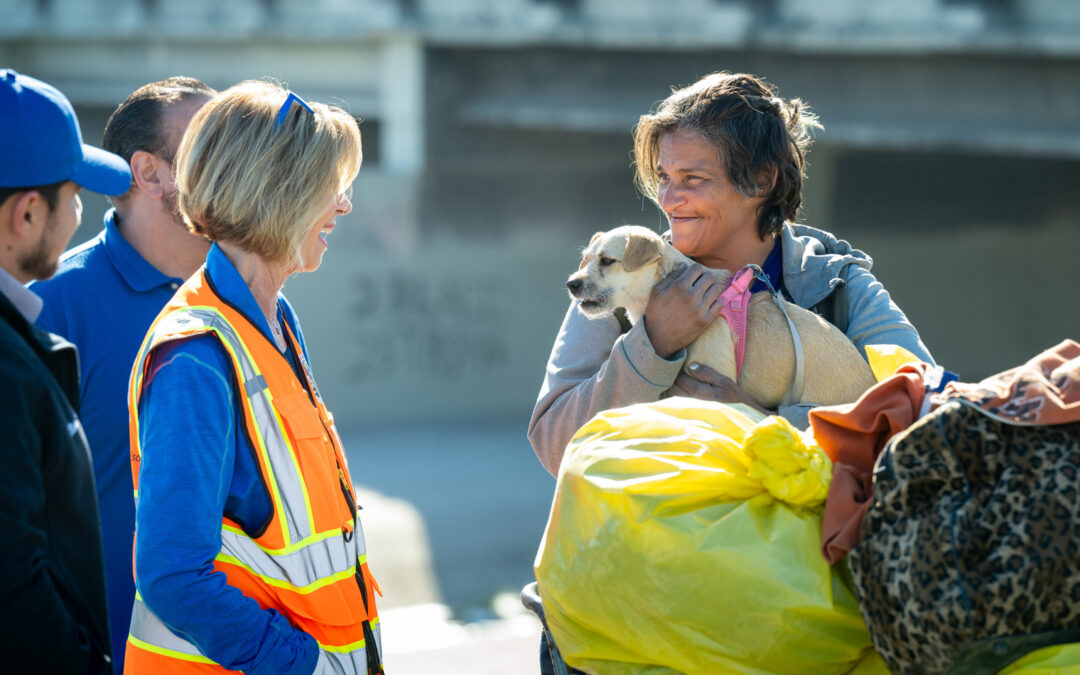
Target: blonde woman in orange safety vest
249, 554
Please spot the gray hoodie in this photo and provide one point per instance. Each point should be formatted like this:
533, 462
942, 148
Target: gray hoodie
594, 366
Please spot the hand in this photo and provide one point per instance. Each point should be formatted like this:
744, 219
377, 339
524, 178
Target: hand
680, 307
706, 384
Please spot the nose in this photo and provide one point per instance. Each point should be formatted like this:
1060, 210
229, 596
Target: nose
668, 197
574, 285
344, 205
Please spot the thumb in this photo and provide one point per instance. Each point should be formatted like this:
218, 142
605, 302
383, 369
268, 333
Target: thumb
708, 375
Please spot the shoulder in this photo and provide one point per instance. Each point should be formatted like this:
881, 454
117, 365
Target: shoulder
85, 259
816, 263
79, 271
198, 352
809, 241
20, 368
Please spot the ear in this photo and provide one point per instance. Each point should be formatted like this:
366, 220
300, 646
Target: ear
583, 259
29, 212
640, 250
146, 172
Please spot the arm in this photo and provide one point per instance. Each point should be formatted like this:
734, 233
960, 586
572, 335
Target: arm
188, 430
39, 626
874, 319
593, 368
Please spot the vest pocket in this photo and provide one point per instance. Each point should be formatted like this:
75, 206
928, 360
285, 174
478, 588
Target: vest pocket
317, 460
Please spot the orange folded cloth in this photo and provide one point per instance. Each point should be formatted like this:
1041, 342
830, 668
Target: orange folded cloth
852, 435
1043, 391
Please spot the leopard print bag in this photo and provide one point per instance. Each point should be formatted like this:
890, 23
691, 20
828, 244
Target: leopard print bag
970, 554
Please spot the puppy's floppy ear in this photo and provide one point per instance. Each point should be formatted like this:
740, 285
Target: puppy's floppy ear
640, 250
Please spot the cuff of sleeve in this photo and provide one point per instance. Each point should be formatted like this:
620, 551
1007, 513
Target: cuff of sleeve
798, 414
649, 366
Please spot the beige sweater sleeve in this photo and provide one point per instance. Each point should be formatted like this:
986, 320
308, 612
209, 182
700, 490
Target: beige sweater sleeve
592, 368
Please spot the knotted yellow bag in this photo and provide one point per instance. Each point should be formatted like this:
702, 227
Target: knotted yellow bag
685, 536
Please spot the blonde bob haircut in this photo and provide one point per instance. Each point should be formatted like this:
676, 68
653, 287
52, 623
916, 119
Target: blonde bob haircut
261, 188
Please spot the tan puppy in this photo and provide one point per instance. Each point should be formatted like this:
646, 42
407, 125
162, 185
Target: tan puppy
619, 269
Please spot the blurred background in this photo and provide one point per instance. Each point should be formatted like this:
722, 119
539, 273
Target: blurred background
497, 138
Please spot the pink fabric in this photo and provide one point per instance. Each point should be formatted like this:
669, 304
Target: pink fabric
733, 303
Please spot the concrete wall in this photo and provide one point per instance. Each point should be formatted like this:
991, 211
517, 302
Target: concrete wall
498, 138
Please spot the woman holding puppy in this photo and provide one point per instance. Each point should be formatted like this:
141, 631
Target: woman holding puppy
248, 552
724, 159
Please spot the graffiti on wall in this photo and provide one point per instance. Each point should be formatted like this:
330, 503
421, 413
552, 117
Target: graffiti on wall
438, 327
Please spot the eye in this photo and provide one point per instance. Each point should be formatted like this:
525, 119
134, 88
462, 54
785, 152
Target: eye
605, 260
662, 178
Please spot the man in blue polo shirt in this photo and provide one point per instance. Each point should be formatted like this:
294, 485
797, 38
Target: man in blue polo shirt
53, 616
108, 291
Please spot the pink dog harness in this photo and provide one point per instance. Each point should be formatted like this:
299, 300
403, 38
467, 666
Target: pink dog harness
733, 303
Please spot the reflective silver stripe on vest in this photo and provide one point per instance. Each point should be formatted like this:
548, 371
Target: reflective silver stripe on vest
284, 470
306, 559
149, 629
307, 565
376, 627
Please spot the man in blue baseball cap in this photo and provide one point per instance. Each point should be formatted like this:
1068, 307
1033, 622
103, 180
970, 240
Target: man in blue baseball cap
53, 615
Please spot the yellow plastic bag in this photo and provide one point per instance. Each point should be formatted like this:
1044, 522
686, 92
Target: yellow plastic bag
1056, 660
669, 548
885, 359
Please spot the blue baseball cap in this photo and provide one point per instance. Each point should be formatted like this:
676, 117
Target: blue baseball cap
40, 141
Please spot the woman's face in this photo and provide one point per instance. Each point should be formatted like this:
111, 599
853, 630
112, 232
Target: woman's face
708, 215
315, 243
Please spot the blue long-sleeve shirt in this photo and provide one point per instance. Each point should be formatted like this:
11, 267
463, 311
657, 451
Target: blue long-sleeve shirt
103, 299
196, 465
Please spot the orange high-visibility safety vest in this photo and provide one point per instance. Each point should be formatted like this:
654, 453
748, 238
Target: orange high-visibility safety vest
310, 563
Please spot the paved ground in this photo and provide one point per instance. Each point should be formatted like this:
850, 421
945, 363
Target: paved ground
453, 517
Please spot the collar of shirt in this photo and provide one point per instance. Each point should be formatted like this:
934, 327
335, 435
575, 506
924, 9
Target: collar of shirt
25, 300
136, 271
235, 291
773, 269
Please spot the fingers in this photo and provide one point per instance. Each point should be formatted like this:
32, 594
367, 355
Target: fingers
709, 376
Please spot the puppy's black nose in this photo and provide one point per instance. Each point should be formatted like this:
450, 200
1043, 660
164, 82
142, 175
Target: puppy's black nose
574, 285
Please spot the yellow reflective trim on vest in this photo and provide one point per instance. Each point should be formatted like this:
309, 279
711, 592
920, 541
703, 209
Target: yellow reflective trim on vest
344, 649
293, 458
278, 583
168, 652
291, 548
260, 442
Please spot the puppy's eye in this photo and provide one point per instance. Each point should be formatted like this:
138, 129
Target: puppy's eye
605, 261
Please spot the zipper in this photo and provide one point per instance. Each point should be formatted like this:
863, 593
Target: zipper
309, 387
348, 500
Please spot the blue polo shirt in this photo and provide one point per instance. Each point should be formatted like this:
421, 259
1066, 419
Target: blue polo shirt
104, 298
197, 465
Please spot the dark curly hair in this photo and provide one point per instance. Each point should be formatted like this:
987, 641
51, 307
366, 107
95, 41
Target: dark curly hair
754, 131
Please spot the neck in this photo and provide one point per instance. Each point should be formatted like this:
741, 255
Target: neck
737, 255
265, 279
163, 242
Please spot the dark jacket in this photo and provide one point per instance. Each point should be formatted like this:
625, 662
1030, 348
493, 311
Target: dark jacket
53, 616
